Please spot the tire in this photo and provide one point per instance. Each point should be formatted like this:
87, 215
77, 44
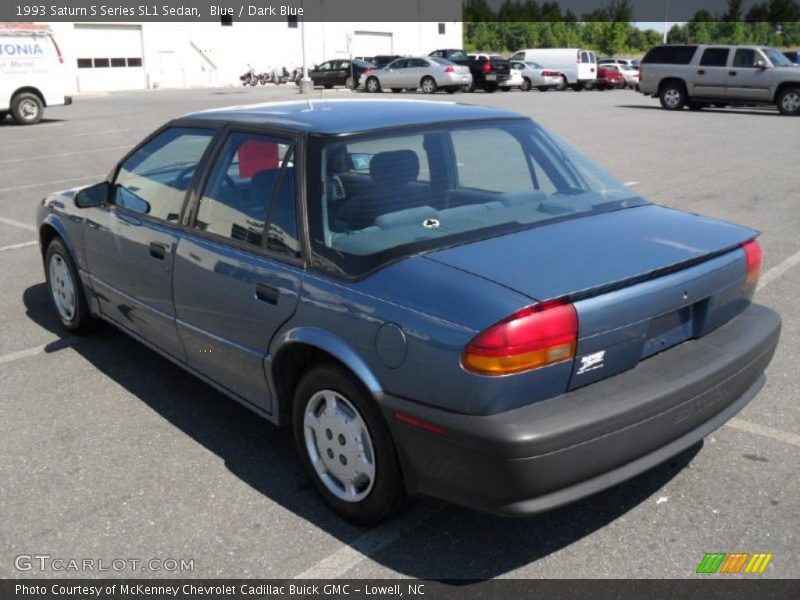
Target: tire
789, 101
372, 85
428, 85
66, 290
333, 415
563, 85
3, 115
505, 89
397, 90
673, 96
328, 86
490, 88
577, 87
254, 82
526, 85
543, 88
27, 108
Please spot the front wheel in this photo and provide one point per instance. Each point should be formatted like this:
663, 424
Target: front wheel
27, 108
789, 101
373, 85
673, 96
346, 447
66, 291
428, 85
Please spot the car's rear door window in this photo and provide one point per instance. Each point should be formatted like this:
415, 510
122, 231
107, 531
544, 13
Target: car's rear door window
714, 57
154, 179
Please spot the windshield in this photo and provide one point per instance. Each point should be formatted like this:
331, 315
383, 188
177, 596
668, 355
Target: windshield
394, 194
777, 58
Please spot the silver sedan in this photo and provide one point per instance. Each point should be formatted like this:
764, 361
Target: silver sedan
426, 73
536, 76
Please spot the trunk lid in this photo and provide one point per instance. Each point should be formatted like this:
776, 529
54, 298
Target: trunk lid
642, 280
587, 255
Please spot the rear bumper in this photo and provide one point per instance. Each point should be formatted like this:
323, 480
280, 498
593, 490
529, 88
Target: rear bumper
550, 453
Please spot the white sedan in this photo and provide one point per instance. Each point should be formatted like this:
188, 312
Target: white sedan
536, 76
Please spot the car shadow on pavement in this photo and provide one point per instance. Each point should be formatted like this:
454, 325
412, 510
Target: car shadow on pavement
765, 111
432, 540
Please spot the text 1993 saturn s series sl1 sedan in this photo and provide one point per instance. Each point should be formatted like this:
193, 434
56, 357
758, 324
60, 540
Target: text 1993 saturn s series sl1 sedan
440, 299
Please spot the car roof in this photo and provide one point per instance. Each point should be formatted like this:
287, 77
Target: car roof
351, 116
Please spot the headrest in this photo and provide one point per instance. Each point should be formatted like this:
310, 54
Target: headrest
394, 168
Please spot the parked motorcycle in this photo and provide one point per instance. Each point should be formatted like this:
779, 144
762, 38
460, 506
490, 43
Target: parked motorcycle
249, 78
264, 78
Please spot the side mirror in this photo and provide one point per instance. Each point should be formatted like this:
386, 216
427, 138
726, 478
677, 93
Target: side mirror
760, 64
95, 195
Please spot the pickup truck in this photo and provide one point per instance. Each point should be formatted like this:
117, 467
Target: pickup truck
720, 75
488, 70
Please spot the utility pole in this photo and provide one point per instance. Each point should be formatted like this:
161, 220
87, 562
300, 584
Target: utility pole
306, 85
666, 21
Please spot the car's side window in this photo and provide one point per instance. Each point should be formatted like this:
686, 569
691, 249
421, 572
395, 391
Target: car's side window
252, 184
745, 58
482, 152
714, 57
154, 179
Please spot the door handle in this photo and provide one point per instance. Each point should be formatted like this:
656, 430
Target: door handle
732, 73
701, 72
267, 293
157, 250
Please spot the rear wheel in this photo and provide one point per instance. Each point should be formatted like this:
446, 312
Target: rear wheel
27, 108
789, 101
373, 85
673, 96
428, 85
526, 84
490, 88
470, 87
346, 447
66, 290
562, 84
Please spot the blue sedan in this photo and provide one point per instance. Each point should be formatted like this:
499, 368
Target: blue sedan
437, 298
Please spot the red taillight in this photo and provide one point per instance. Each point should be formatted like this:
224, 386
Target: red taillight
752, 256
449, 70
549, 73
487, 67
368, 70
533, 337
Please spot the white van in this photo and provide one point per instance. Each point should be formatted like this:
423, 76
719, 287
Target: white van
579, 67
32, 74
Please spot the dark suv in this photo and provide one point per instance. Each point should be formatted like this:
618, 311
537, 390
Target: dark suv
702, 75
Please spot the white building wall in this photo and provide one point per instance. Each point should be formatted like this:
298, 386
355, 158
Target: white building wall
208, 54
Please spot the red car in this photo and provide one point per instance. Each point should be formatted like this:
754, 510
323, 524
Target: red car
609, 77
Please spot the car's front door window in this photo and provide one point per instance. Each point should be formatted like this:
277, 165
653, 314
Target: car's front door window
154, 179
251, 184
745, 58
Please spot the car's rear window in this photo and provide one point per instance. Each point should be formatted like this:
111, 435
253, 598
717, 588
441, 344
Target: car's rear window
670, 55
375, 198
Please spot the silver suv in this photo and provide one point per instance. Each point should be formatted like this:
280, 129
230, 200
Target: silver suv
718, 75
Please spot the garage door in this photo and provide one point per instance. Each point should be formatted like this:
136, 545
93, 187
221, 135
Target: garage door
109, 57
372, 43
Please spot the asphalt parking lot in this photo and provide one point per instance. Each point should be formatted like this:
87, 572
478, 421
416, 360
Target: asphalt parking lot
109, 451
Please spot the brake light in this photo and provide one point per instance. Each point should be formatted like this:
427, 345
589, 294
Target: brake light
449, 70
549, 73
487, 67
752, 255
534, 337
368, 70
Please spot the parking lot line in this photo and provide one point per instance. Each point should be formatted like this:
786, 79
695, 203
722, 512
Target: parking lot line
778, 270
62, 155
766, 431
345, 558
20, 224
15, 246
630, 183
51, 183
72, 135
